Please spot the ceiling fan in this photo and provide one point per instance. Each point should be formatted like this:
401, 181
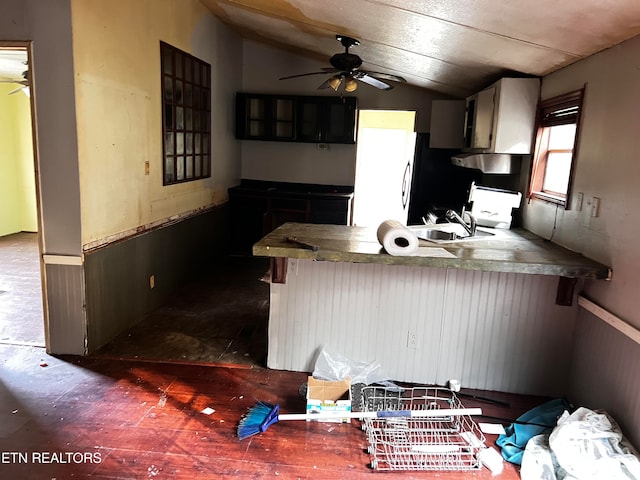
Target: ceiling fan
346, 67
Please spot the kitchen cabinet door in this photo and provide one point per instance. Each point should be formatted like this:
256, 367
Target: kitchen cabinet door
331, 211
340, 119
265, 117
309, 120
326, 119
479, 123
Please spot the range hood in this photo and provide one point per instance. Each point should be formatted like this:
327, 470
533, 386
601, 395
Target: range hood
499, 163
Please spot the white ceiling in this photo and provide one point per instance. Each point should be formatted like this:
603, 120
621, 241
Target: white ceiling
13, 62
454, 47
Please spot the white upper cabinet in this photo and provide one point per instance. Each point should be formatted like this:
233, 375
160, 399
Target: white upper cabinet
501, 118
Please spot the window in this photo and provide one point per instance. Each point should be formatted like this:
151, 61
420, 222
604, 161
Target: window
186, 116
555, 149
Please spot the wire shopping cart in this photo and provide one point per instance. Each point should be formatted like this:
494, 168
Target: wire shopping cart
420, 443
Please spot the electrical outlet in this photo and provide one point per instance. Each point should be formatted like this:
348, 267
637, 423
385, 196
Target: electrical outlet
412, 339
579, 201
146, 167
152, 281
292, 266
595, 207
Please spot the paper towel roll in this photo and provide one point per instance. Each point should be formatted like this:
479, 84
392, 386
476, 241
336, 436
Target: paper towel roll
397, 239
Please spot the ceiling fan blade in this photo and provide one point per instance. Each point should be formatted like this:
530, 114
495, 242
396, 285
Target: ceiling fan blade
18, 82
374, 82
385, 76
303, 75
324, 71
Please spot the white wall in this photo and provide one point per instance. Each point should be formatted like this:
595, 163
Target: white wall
607, 167
300, 162
492, 330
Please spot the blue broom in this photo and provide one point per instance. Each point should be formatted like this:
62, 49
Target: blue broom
262, 415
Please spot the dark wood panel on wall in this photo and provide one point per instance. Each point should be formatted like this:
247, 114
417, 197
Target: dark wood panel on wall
117, 276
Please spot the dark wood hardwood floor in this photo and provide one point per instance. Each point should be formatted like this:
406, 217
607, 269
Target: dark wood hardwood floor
135, 410
80, 417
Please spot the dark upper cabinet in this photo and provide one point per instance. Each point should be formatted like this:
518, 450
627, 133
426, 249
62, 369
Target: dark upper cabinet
265, 117
296, 118
326, 119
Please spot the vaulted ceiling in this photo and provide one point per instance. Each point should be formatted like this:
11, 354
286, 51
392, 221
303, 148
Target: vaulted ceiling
454, 47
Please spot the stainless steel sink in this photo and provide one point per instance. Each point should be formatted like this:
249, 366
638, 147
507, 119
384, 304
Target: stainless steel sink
448, 233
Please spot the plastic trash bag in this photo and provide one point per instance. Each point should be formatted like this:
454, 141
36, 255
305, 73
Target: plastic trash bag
333, 366
589, 445
585, 445
538, 462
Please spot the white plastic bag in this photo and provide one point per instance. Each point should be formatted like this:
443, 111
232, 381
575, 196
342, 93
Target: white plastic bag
589, 445
538, 462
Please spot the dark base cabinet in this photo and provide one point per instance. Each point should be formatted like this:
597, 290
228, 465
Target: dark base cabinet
247, 216
258, 207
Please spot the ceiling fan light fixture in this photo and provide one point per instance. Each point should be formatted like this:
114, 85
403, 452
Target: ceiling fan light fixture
350, 84
335, 81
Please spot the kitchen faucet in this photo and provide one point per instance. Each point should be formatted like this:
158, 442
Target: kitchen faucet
453, 216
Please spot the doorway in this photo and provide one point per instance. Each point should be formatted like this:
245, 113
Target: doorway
21, 305
384, 166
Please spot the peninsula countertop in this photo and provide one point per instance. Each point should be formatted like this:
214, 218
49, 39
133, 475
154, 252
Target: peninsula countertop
515, 251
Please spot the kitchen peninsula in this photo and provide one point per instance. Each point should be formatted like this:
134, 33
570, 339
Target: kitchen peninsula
515, 250
486, 313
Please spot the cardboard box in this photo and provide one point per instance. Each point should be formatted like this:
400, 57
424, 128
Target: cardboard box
326, 396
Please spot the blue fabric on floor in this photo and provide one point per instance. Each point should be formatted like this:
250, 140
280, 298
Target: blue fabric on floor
516, 435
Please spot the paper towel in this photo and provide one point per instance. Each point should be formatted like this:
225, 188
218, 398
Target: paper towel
397, 239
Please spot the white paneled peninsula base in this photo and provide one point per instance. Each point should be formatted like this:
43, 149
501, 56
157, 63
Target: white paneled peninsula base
487, 315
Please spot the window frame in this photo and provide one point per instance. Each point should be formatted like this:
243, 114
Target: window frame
186, 116
565, 109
